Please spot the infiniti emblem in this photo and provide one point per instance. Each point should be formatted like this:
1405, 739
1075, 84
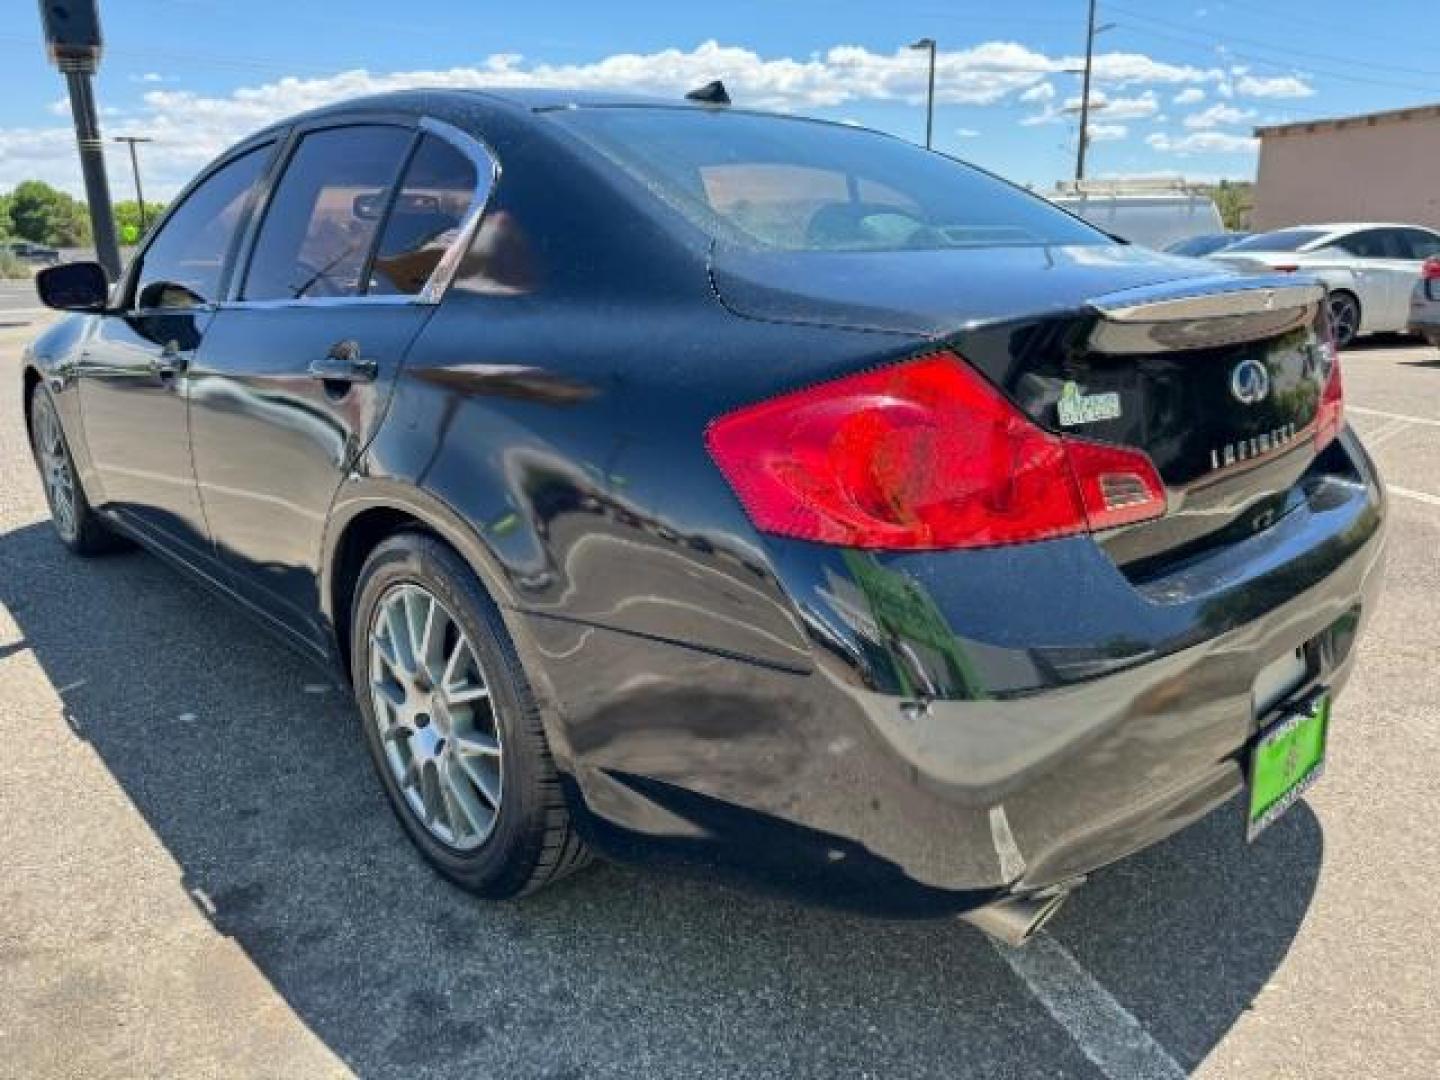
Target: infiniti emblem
1250, 382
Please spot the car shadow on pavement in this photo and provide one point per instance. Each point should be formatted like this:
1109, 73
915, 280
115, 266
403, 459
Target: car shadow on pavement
249, 767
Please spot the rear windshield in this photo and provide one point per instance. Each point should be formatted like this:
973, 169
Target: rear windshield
1280, 240
802, 185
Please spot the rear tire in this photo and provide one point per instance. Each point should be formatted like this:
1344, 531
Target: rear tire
452, 725
1344, 309
79, 527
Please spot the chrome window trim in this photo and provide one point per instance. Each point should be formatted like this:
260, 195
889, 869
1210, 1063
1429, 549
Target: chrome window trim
487, 174
487, 171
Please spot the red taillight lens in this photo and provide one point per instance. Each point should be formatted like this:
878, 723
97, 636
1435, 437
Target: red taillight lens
922, 455
1286, 268
1430, 269
1331, 415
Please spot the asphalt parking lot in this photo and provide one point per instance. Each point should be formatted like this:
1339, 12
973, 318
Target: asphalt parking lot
201, 879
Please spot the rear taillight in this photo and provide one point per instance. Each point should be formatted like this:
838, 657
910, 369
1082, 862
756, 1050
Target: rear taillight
1430, 269
1330, 417
1286, 268
922, 455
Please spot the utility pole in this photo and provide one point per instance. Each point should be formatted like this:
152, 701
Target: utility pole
929, 45
72, 38
1085, 96
131, 140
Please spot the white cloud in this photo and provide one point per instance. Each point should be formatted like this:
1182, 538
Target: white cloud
1201, 142
966, 133
1278, 86
190, 127
1191, 95
149, 77
1128, 108
1108, 132
1218, 114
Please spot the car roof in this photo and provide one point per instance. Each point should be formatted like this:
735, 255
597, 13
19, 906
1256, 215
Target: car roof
1354, 226
421, 100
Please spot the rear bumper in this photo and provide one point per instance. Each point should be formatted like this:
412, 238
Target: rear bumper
975, 724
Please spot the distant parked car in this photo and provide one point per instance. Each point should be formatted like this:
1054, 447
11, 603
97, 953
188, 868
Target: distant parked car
1197, 247
1425, 302
34, 253
1371, 269
1150, 215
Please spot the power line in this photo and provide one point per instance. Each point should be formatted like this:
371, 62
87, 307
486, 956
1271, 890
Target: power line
1183, 35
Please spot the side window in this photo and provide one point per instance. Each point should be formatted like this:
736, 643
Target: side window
438, 188
320, 226
1360, 244
182, 266
1421, 244
1373, 244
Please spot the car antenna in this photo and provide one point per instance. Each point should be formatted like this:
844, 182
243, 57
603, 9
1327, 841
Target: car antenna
712, 93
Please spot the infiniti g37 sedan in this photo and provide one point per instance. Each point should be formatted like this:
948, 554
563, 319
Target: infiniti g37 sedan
749, 494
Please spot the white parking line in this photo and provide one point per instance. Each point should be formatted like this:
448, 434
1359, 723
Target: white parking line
1411, 493
1106, 1032
1427, 421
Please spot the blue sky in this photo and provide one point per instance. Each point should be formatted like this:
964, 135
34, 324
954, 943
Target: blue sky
1184, 82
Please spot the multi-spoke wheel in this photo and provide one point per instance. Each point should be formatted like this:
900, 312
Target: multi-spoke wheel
78, 525
452, 725
435, 717
1344, 318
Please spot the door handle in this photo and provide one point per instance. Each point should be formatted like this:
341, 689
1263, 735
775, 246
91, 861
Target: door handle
343, 363
169, 362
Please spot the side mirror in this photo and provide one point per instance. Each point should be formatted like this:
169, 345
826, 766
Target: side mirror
77, 286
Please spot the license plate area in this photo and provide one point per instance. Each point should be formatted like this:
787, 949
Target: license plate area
1286, 761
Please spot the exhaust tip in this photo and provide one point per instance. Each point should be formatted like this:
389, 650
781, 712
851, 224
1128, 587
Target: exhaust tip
1016, 921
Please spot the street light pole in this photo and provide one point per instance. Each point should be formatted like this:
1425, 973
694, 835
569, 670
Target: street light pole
929, 45
74, 44
131, 140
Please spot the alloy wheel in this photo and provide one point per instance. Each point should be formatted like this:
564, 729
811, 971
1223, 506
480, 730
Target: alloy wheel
1344, 319
435, 717
55, 469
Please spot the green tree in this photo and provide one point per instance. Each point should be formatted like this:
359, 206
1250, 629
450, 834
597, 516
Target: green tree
5, 227
46, 215
127, 219
1234, 201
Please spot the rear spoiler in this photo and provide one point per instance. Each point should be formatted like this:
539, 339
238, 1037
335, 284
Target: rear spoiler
1199, 313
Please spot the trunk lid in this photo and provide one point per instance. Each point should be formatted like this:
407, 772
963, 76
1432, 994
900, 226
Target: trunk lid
1216, 376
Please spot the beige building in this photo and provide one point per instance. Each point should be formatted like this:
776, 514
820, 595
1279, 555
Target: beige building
1378, 167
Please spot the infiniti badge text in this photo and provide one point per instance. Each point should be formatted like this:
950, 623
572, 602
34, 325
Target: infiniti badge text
1253, 447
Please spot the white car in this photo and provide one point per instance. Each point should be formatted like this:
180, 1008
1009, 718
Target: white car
1370, 268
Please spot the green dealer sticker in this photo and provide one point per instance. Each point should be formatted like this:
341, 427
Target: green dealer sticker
1287, 761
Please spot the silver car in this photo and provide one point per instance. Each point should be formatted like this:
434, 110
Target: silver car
1425, 303
1370, 268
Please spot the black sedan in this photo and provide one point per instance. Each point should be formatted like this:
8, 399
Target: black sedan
752, 494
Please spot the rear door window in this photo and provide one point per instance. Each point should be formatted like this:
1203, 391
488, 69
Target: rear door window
319, 230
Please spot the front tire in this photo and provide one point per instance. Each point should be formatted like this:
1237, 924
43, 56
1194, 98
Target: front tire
77, 524
452, 725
